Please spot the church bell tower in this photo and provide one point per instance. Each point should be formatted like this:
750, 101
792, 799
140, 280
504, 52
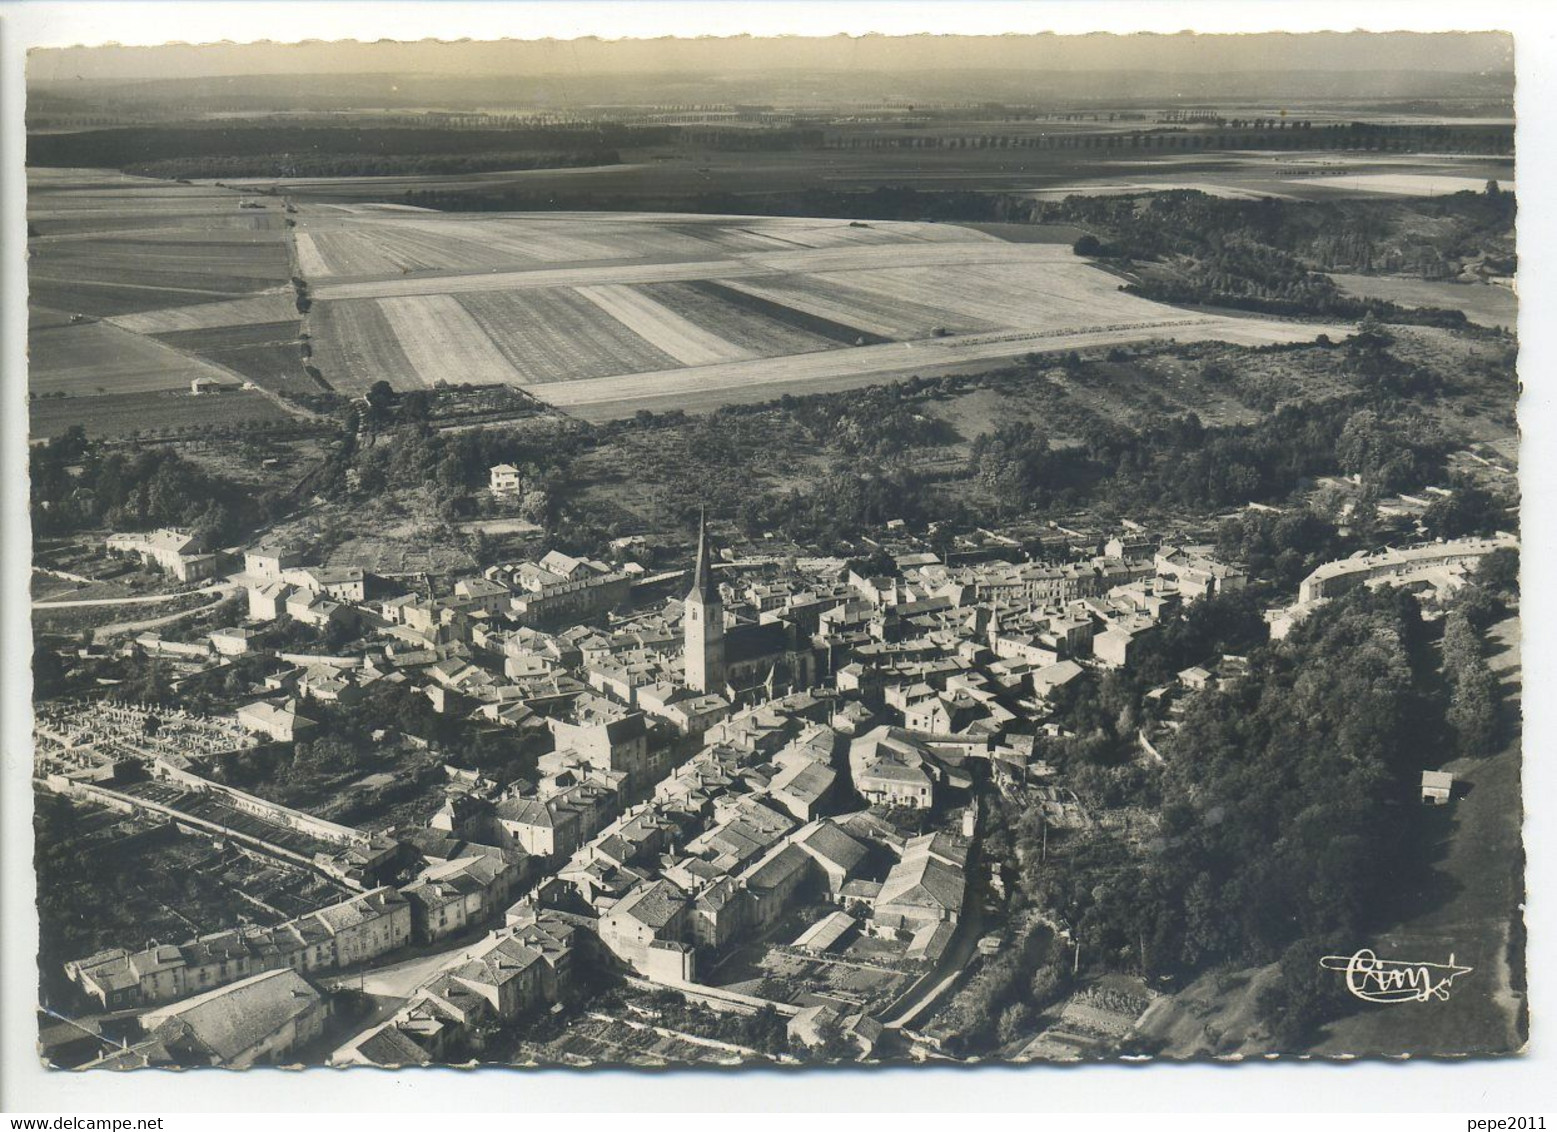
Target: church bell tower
702, 622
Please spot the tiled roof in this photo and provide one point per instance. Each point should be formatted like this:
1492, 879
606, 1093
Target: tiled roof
233, 1019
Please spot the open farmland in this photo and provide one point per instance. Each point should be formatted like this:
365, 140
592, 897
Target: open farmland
597, 313
557, 335
127, 414
442, 342
1482, 303
598, 310
115, 247
138, 286
335, 244
1401, 184
354, 346
96, 357
261, 309
761, 379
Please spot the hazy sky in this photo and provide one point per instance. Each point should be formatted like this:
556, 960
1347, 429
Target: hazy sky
1321, 51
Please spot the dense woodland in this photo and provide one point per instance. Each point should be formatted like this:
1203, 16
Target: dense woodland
81, 484
1271, 256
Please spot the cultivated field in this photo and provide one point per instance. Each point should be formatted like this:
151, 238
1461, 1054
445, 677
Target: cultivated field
611, 309
597, 309
762, 379
1482, 303
1401, 184
96, 357
137, 285
127, 414
266, 308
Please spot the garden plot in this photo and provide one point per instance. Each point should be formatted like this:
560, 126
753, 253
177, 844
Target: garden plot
443, 342
555, 334
683, 340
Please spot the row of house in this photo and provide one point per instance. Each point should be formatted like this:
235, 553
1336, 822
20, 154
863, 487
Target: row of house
346, 934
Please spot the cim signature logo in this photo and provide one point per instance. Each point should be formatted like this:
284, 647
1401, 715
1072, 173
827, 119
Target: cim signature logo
1392, 980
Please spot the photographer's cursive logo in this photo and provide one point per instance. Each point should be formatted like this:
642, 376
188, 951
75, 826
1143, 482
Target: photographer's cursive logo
1392, 980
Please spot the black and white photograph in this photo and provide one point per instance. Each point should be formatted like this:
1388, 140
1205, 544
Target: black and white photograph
806, 553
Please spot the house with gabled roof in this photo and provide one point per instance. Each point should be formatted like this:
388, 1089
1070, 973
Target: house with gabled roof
253, 1021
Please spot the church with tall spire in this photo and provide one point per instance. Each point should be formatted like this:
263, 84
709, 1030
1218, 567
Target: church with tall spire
702, 622
746, 660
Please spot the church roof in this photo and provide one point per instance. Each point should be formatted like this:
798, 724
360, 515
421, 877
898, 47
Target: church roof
750, 642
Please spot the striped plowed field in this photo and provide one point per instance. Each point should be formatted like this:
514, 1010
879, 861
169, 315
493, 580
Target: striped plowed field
754, 332
684, 340
1010, 295
202, 339
706, 386
354, 346
557, 335
443, 342
82, 359
268, 308
874, 314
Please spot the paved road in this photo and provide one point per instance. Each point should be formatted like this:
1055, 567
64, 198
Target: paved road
398, 980
953, 966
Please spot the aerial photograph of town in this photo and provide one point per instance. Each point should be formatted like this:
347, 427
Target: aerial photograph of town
792, 553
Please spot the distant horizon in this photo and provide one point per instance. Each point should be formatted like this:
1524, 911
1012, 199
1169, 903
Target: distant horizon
798, 70
1334, 53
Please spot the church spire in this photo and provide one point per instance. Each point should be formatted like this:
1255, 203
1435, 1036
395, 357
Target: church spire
703, 585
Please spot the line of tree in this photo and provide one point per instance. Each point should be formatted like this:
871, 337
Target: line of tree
365, 164
1473, 688
1489, 138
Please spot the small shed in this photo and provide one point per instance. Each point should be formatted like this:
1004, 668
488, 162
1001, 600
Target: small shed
1437, 787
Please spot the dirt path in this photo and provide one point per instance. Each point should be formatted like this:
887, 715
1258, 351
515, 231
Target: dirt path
218, 595
133, 599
